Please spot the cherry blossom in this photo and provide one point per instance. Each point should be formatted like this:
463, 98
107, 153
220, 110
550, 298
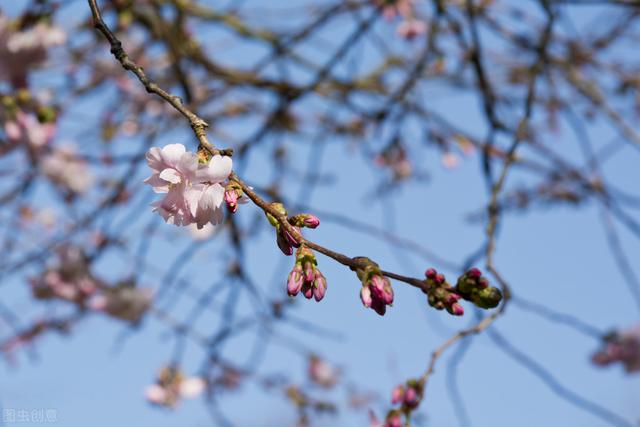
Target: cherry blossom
66, 169
194, 193
123, 301
322, 373
172, 386
23, 48
25, 128
623, 347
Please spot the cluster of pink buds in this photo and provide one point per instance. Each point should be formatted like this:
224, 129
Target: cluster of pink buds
622, 347
440, 295
376, 292
306, 277
472, 286
285, 239
172, 386
408, 396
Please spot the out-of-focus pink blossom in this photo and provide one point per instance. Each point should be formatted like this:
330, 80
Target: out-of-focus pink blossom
411, 28
172, 386
192, 387
395, 157
21, 49
63, 167
623, 347
322, 373
69, 280
124, 302
450, 160
25, 128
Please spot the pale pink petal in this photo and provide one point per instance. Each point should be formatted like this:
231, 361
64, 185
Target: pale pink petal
154, 159
192, 197
188, 165
159, 185
192, 387
170, 175
12, 130
155, 394
172, 153
217, 170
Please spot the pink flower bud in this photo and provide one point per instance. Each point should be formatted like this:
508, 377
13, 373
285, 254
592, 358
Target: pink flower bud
294, 284
431, 273
474, 273
319, 287
411, 398
452, 298
290, 239
307, 290
311, 221
397, 395
284, 246
365, 296
439, 278
456, 309
231, 199
309, 273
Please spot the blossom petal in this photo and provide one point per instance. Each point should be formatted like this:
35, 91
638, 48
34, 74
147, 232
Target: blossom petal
171, 175
188, 165
192, 198
172, 153
217, 170
159, 185
154, 159
192, 387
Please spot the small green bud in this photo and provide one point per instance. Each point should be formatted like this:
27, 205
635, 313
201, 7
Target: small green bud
487, 298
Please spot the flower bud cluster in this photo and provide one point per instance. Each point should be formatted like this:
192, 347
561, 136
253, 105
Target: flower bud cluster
472, 286
408, 396
306, 277
441, 295
285, 239
376, 292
